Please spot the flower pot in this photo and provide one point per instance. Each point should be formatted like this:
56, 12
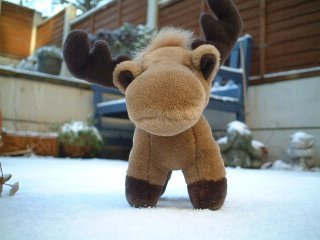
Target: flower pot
49, 64
75, 151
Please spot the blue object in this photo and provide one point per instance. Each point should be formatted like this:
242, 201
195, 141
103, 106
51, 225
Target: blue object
231, 96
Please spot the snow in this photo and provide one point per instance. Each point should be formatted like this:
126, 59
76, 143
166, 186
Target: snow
278, 165
76, 127
13, 71
228, 86
301, 140
239, 127
295, 72
84, 199
257, 144
224, 98
31, 133
222, 140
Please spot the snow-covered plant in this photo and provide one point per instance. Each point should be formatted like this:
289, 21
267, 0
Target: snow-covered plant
3, 179
31, 63
126, 39
51, 51
79, 133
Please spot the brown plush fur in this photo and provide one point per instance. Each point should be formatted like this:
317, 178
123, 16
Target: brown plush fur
167, 87
166, 100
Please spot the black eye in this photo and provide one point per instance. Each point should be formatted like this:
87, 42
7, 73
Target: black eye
125, 78
207, 64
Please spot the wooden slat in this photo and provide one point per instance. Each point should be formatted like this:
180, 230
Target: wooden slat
296, 46
310, 18
294, 33
276, 5
293, 61
292, 12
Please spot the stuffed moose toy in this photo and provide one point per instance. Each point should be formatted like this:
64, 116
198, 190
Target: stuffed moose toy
167, 87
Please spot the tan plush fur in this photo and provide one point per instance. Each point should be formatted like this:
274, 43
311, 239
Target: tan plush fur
166, 100
167, 87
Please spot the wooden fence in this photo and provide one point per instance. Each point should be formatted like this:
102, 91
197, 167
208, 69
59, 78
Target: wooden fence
286, 33
51, 31
15, 30
113, 15
183, 14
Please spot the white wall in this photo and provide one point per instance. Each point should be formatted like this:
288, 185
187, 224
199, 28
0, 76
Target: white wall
277, 110
35, 106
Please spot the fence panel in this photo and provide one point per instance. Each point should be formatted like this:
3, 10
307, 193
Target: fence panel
15, 30
113, 15
292, 35
50, 32
183, 14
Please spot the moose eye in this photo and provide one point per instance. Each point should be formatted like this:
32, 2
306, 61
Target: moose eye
125, 78
207, 64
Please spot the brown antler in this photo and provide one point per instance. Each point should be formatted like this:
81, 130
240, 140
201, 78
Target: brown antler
93, 65
223, 29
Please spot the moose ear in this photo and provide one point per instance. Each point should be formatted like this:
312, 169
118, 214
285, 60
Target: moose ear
206, 58
125, 73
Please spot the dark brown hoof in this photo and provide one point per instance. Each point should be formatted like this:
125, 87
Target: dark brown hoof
208, 194
140, 193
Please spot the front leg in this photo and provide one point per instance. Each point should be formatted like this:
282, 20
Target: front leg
141, 193
144, 181
205, 174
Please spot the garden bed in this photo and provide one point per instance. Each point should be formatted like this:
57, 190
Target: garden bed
18, 143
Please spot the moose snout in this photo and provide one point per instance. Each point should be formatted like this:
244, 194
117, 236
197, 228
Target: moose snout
165, 100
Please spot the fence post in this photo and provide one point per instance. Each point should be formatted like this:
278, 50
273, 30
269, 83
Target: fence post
69, 15
35, 22
152, 14
262, 45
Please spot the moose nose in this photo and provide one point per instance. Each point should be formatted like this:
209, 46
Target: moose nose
165, 93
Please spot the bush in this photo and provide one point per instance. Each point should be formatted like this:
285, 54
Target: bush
127, 39
82, 135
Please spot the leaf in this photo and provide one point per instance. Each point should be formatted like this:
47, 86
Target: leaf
5, 178
14, 189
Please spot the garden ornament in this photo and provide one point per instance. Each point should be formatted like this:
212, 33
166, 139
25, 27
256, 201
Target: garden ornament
301, 150
167, 87
239, 149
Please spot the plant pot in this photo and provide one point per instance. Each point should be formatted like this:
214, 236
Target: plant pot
49, 64
75, 151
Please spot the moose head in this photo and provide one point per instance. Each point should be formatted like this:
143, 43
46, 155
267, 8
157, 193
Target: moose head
167, 87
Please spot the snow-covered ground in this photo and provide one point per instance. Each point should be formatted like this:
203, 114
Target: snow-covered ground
84, 199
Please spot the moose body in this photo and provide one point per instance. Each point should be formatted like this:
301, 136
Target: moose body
193, 151
167, 87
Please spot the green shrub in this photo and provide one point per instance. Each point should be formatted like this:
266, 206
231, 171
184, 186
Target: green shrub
81, 134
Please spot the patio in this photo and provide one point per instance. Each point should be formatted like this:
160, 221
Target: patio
84, 199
